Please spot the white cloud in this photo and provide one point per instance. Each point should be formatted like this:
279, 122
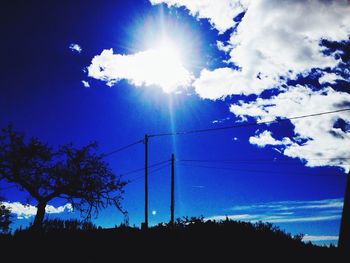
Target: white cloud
329, 78
276, 39
27, 211
274, 219
85, 83
222, 47
222, 82
220, 120
152, 67
75, 48
219, 13
265, 138
274, 42
312, 238
336, 203
283, 219
286, 211
315, 139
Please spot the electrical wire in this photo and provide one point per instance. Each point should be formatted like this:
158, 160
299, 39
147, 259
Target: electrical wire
246, 124
143, 168
238, 170
122, 148
149, 173
249, 161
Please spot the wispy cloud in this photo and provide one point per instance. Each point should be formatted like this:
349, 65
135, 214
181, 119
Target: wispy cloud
286, 211
24, 211
294, 205
221, 120
312, 238
75, 48
198, 186
85, 83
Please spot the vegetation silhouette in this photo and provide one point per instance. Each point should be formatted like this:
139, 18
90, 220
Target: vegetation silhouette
80, 176
5, 217
187, 239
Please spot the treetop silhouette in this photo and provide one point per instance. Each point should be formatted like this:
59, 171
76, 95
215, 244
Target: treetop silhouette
80, 176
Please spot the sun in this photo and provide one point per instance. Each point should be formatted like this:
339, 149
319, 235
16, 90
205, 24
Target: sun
167, 63
166, 54
160, 65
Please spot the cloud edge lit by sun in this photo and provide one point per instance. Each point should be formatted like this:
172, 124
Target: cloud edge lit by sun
161, 67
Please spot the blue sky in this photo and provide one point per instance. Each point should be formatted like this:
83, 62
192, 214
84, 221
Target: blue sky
114, 71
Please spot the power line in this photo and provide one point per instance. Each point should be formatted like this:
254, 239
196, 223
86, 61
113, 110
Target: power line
151, 172
143, 168
246, 124
245, 170
122, 148
222, 128
159, 168
229, 161
135, 179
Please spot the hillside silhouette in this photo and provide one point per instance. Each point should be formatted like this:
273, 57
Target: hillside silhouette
187, 239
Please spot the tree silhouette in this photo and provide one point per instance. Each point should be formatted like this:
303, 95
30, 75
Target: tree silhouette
80, 176
5, 217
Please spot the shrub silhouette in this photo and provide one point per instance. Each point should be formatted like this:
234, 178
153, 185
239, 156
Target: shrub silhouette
5, 218
67, 225
190, 238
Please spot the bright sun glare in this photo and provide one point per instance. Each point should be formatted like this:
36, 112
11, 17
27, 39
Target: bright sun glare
164, 57
167, 68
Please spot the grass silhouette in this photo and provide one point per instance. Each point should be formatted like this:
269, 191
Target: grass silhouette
187, 239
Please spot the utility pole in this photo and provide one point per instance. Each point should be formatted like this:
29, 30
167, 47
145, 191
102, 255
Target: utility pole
344, 235
145, 224
172, 198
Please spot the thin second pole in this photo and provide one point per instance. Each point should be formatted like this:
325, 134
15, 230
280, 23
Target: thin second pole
146, 181
344, 235
172, 198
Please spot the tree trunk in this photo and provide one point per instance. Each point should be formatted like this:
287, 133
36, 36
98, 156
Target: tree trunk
39, 217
